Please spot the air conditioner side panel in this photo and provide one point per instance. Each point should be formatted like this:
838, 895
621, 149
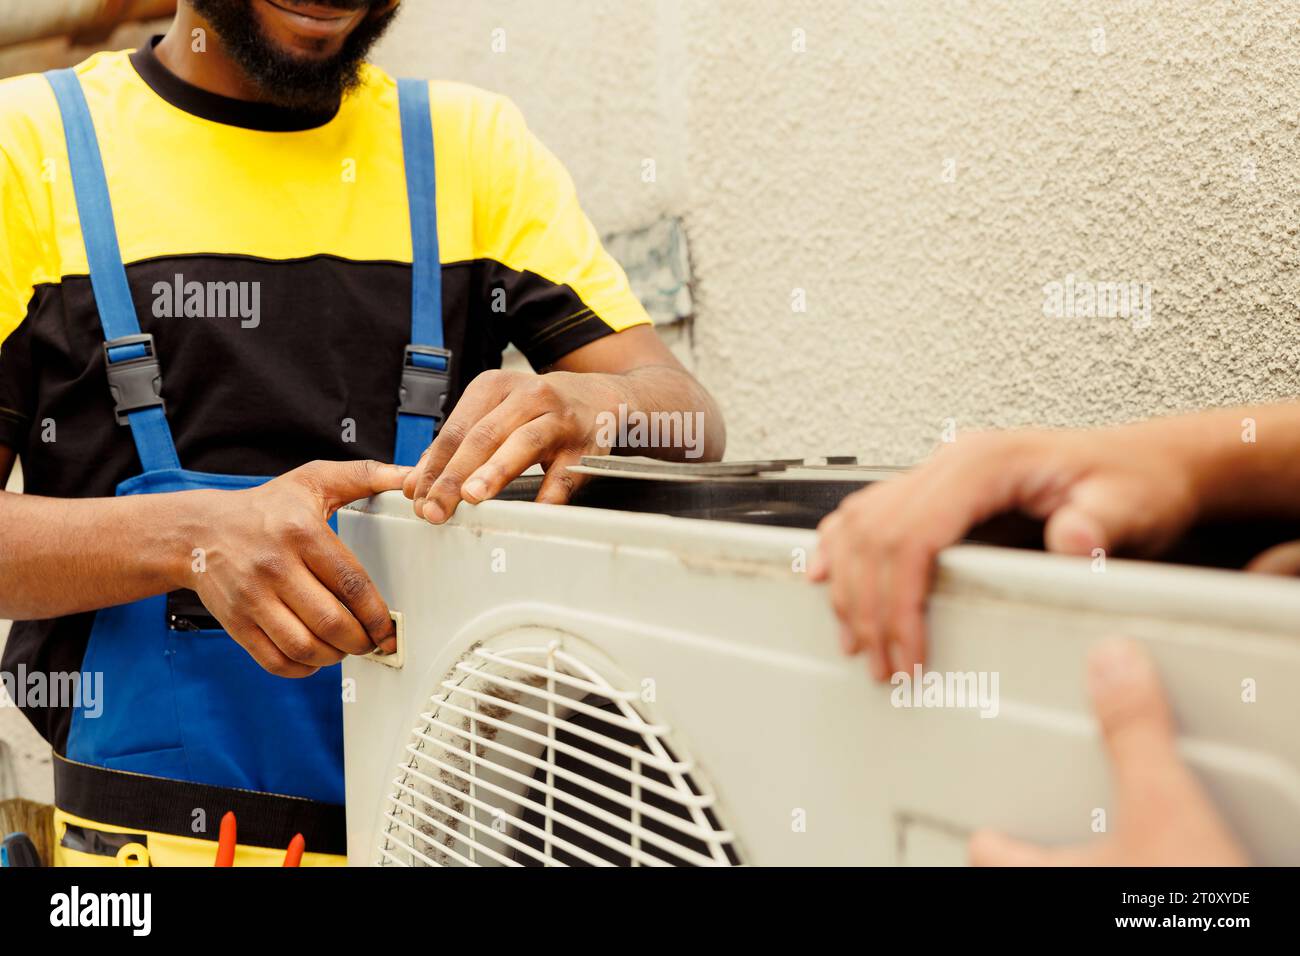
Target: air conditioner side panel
811, 761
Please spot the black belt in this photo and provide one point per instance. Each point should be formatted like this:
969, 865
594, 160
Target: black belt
159, 805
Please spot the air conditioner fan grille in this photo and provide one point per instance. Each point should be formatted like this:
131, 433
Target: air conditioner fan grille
530, 757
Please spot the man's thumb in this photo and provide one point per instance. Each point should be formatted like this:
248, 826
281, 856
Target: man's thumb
1131, 707
341, 482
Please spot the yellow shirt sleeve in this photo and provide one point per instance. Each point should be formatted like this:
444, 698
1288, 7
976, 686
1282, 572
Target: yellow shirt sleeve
527, 218
20, 249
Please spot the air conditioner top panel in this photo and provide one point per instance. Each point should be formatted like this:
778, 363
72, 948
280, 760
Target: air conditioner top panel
1004, 573
791, 493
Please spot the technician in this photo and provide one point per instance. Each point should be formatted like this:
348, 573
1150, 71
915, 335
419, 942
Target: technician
242, 272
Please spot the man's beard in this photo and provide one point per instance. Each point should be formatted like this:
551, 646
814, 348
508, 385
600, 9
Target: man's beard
283, 78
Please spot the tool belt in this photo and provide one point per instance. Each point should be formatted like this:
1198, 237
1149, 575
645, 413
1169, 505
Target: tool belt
110, 818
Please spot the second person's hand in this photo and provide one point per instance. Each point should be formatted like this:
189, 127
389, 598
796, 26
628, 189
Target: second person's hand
1131, 487
1163, 816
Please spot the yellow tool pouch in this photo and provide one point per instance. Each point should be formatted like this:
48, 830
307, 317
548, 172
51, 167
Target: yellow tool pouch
109, 818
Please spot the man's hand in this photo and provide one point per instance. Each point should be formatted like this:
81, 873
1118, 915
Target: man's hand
1132, 487
278, 579
67, 556
1162, 816
505, 423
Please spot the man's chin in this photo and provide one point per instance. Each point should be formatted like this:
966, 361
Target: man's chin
304, 38
296, 61
297, 52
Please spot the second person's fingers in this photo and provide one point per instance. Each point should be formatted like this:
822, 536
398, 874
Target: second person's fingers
1131, 707
855, 594
1281, 559
988, 848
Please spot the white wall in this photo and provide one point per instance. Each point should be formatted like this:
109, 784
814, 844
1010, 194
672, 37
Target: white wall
1163, 152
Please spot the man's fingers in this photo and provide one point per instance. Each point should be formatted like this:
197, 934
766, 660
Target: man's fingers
263, 650
480, 453
294, 639
341, 482
527, 445
818, 568
413, 476
559, 484
445, 443
338, 569
1131, 707
878, 660
483, 394
324, 614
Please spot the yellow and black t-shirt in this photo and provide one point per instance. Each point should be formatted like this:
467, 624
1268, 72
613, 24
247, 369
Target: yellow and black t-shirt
306, 215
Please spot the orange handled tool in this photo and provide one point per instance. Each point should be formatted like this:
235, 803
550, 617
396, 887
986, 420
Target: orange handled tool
226, 845
294, 855
226, 841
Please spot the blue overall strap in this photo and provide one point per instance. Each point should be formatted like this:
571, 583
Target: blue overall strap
426, 364
134, 376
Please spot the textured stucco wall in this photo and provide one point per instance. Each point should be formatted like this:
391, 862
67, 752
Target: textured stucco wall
1135, 142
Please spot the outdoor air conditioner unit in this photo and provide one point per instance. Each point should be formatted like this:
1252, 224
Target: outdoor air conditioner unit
580, 685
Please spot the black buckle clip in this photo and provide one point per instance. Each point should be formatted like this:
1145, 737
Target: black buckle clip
134, 383
424, 390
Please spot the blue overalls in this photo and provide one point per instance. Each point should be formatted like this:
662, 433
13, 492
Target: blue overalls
192, 705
